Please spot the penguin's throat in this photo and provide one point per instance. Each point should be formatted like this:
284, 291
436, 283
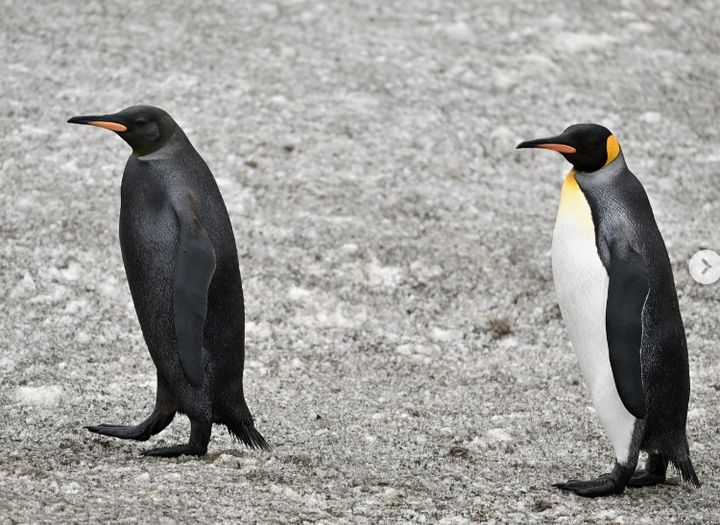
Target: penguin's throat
147, 149
574, 206
167, 131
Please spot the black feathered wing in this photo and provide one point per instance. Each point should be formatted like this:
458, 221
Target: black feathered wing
627, 292
194, 268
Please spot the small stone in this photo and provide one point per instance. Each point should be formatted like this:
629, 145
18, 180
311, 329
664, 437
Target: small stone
459, 452
499, 326
542, 505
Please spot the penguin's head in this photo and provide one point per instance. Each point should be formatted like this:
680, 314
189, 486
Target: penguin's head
588, 147
144, 128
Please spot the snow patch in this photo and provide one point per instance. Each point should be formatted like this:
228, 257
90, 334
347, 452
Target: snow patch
498, 435
260, 330
386, 276
338, 319
493, 438
298, 294
640, 27
72, 272
350, 248
440, 335
458, 31
578, 42
38, 395
109, 287
454, 520
651, 117
76, 306
24, 287
7, 364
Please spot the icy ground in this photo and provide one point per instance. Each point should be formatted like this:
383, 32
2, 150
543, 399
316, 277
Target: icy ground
406, 358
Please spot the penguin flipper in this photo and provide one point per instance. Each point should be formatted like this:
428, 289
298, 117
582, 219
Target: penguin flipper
194, 268
627, 292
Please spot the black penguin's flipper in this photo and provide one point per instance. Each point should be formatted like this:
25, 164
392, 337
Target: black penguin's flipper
653, 473
194, 268
605, 485
627, 292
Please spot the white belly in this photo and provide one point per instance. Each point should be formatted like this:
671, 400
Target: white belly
581, 284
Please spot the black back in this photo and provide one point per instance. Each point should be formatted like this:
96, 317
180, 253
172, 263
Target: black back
623, 216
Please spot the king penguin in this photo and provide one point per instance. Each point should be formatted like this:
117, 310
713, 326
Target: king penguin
181, 262
617, 296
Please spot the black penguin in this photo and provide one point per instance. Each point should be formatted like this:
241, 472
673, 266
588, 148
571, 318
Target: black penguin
181, 262
617, 296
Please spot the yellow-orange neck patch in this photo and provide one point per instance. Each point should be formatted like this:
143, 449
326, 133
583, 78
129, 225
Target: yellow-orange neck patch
613, 149
574, 206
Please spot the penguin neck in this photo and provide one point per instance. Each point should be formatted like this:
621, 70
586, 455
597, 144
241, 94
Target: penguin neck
612, 169
165, 147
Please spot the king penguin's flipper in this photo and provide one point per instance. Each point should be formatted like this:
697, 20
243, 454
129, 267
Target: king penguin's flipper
627, 292
194, 268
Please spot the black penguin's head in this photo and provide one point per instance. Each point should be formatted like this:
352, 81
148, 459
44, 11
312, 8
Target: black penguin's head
588, 147
144, 128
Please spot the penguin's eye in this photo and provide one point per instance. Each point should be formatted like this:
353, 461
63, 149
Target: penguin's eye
141, 122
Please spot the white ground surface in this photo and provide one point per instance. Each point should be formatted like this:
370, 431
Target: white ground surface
377, 254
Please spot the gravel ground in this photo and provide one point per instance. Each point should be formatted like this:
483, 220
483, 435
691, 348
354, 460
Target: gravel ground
405, 353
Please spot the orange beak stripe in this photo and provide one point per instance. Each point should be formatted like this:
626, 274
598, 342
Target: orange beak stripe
562, 148
108, 125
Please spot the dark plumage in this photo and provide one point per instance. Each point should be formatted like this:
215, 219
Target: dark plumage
182, 267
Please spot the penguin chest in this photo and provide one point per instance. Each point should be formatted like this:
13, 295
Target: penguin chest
581, 281
148, 240
581, 285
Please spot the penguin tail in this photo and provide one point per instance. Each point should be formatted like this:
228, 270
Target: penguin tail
683, 464
240, 424
687, 472
246, 432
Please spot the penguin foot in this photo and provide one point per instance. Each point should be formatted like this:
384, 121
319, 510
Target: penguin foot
135, 432
605, 485
175, 451
645, 478
602, 486
155, 423
653, 474
199, 439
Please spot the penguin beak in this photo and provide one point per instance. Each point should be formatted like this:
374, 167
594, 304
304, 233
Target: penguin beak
101, 121
551, 143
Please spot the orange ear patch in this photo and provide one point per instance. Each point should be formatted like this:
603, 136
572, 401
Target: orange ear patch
562, 148
114, 126
613, 149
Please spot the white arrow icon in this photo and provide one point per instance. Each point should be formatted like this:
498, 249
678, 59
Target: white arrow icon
704, 266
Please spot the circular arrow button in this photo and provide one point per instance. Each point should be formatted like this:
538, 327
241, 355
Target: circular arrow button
704, 266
